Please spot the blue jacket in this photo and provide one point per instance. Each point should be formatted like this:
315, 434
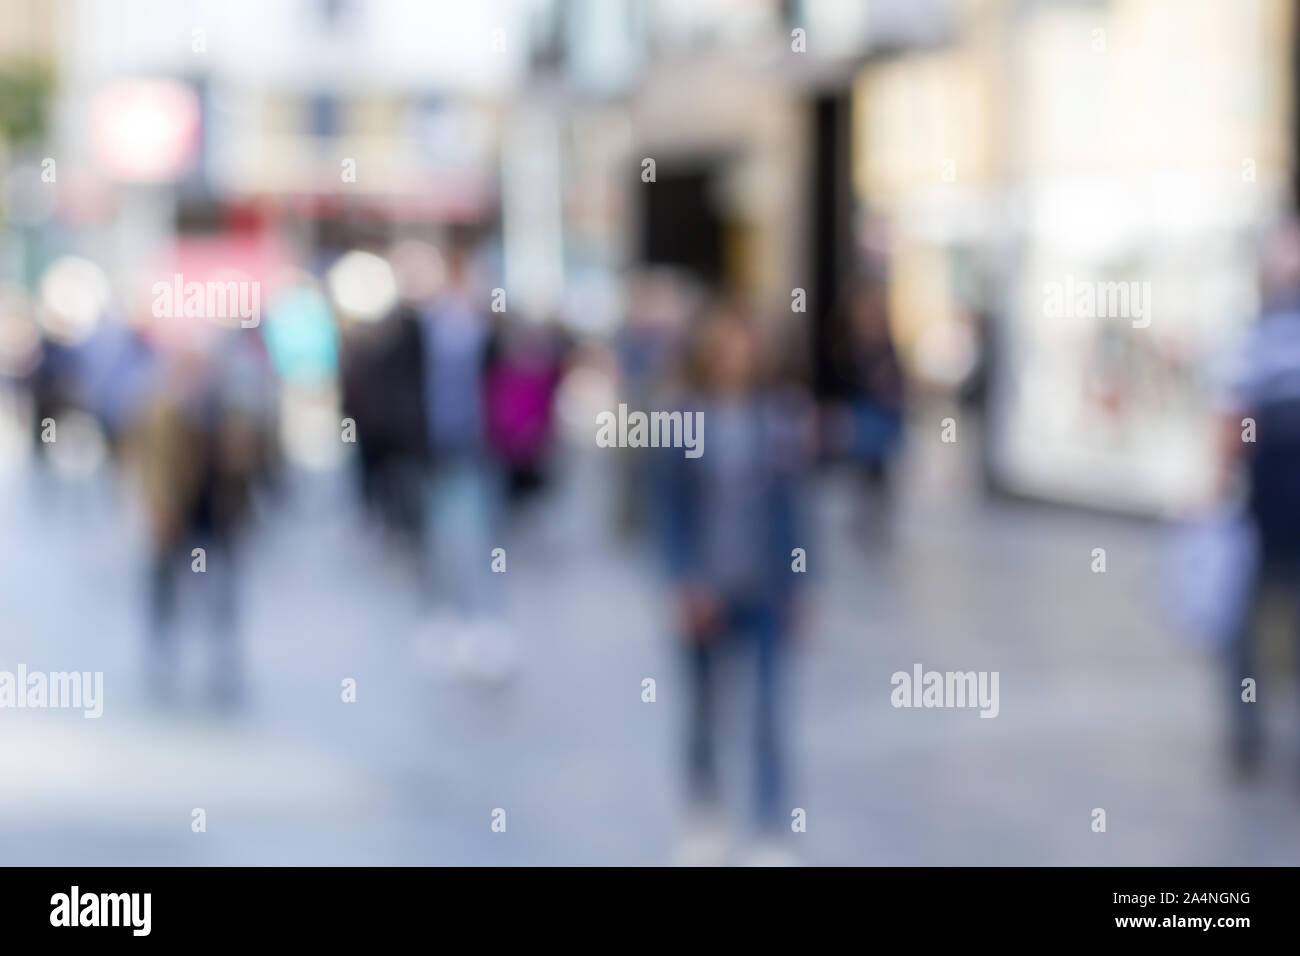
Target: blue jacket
780, 468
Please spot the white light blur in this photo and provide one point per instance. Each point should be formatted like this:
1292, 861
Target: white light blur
362, 286
74, 294
146, 130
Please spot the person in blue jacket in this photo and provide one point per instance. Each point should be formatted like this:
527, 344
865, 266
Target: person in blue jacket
734, 539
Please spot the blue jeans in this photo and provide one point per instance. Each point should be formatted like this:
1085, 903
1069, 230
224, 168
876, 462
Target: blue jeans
876, 432
461, 515
1278, 566
757, 625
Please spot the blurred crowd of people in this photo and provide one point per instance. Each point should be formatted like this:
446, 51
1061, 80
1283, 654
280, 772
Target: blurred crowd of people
448, 405
449, 408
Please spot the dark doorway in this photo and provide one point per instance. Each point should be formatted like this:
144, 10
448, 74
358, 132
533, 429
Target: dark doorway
680, 222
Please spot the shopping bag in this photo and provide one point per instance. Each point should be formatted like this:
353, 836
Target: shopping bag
1209, 575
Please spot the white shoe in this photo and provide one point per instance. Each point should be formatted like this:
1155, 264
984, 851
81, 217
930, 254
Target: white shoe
704, 844
769, 853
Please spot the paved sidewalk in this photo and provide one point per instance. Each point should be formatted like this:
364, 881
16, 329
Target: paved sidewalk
1099, 706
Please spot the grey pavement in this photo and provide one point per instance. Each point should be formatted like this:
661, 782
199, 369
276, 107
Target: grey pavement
1101, 706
